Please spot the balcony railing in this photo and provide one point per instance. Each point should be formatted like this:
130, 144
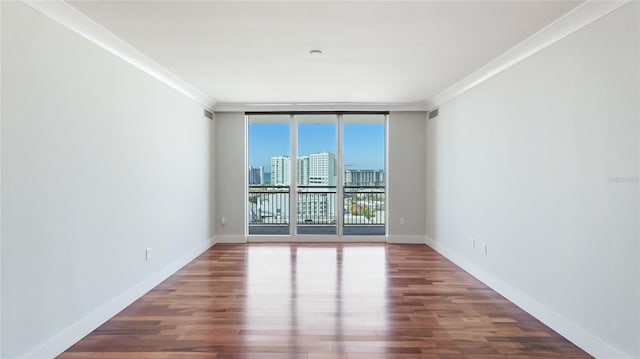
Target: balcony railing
364, 205
269, 205
316, 205
363, 209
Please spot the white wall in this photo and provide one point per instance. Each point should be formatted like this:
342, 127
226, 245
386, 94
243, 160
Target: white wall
212, 178
99, 161
540, 163
407, 176
230, 184
1, 7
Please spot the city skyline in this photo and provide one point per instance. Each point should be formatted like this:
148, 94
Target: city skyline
363, 144
313, 169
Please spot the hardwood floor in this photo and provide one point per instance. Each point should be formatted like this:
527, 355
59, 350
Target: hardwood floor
322, 301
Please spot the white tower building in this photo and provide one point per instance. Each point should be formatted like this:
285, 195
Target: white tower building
281, 171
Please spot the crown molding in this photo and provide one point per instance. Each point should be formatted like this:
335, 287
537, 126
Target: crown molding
78, 22
574, 20
319, 106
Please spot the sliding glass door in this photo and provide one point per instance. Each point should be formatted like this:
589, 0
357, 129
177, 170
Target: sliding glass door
269, 180
334, 187
316, 175
364, 174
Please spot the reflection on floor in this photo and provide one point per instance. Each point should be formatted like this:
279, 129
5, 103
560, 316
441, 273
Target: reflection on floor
322, 301
350, 230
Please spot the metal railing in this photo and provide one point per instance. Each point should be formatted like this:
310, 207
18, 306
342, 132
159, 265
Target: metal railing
316, 205
362, 205
269, 205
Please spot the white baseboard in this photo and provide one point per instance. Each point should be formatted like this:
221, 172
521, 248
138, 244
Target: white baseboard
72, 334
406, 239
574, 333
230, 238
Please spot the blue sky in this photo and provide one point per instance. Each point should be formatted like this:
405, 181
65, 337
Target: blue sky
363, 144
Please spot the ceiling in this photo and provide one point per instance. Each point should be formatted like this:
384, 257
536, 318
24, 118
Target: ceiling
373, 52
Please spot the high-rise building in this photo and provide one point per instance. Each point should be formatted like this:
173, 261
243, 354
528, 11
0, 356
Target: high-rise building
322, 169
316, 169
303, 171
281, 171
364, 177
256, 175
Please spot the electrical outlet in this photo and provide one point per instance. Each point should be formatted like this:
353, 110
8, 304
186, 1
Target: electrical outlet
147, 254
402, 221
484, 248
223, 220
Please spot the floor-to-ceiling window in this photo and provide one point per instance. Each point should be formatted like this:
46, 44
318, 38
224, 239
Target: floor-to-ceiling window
313, 174
269, 174
317, 172
363, 143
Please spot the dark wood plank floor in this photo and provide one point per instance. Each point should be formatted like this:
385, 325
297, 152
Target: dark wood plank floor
322, 301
